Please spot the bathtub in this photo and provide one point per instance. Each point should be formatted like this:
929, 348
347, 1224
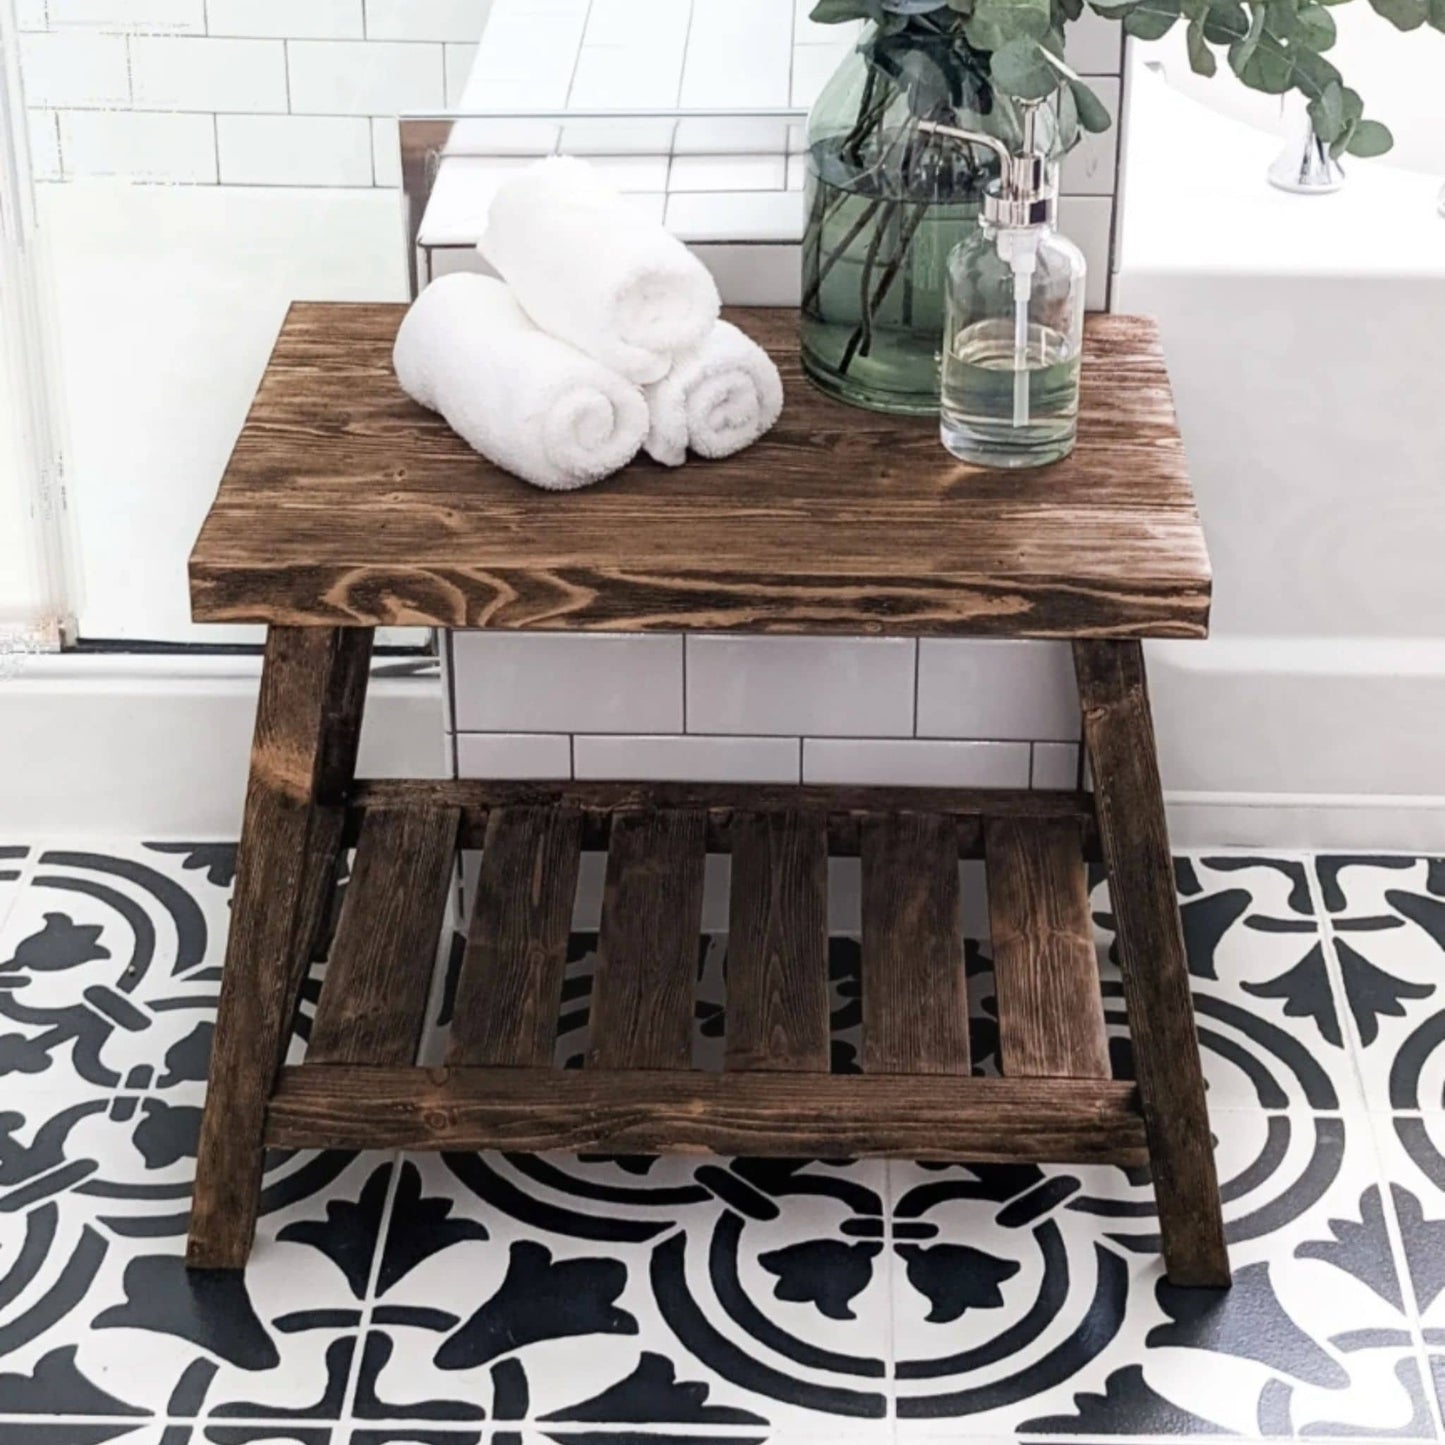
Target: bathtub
1306, 340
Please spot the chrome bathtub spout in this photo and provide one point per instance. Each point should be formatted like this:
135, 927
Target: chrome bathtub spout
1305, 166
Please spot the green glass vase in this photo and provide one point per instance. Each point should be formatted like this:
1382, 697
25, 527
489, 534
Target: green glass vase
886, 204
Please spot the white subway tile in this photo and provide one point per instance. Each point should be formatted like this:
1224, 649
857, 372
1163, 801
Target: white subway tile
139, 144
1088, 222
44, 144
30, 15
202, 73
728, 173
294, 150
976, 689
839, 687
546, 682
1088, 169
459, 60
289, 19
498, 756
426, 19
133, 16
754, 275
736, 216
622, 22
1056, 765
739, 53
386, 151
813, 67
1094, 45
74, 68
365, 77
688, 759
613, 77
911, 763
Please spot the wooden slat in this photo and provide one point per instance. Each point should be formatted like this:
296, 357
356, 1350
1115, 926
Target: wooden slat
777, 959
801, 1116
915, 1009
511, 982
1046, 974
642, 991
1119, 733
844, 806
373, 999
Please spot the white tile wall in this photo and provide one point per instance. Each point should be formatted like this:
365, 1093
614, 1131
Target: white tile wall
44, 144
1056, 765
800, 685
294, 150
146, 145
30, 14
365, 77
167, 16
985, 689
75, 67
386, 151
200, 73
300, 19
886, 761
426, 19
540, 682
688, 759
514, 755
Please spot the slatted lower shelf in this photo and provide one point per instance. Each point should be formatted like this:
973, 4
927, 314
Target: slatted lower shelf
360, 1085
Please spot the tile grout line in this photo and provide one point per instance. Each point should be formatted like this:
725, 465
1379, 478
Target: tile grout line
1335, 973
368, 1303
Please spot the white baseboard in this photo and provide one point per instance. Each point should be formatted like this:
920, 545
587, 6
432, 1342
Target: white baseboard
158, 746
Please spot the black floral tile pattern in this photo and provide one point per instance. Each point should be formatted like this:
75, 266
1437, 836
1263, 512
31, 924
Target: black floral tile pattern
512, 1300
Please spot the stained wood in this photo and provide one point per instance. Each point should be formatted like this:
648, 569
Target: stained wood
346, 503
1119, 734
794, 1115
308, 721
378, 975
915, 1010
777, 958
845, 807
642, 989
1046, 973
516, 956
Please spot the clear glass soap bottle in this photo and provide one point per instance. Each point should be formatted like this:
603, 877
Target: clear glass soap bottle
1014, 325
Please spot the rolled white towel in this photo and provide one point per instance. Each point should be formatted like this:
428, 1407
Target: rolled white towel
590, 269
523, 399
717, 399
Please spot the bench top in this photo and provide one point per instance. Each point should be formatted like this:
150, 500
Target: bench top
347, 504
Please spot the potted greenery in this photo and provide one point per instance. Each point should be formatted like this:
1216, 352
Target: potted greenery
887, 202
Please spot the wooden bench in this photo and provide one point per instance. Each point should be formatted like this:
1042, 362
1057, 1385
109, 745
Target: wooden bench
346, 506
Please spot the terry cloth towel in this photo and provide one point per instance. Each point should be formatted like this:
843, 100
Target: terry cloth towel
719, 398
523, 399
590, 269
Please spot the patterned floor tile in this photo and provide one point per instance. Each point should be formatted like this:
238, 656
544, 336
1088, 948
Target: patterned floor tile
1268, 1021
1032, 1300
1387, 916
677, 1292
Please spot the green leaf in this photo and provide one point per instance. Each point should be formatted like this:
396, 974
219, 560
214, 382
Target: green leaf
1437, 14
1151, 19
1315, 28
1327, 113
1370, 139
1093, 113
835, 12
1021, 69
1403, 14
1201, 57
996, 22
1225, 22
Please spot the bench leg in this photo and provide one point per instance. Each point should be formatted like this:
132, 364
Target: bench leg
1119, 735
303, 758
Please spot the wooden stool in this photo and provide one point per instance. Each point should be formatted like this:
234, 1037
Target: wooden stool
346, 506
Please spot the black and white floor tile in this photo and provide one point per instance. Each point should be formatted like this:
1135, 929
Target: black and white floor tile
426, 1300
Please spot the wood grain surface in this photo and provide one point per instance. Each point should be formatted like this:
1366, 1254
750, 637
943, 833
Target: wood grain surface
345, 503
1046, 973
805, 1116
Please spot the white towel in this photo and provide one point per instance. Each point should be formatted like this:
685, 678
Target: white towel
717, 399
590, 269
523, 399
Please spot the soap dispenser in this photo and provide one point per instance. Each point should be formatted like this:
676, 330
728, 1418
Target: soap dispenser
1014, 322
